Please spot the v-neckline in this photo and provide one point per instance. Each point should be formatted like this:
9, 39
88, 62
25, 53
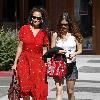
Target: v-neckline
33, 33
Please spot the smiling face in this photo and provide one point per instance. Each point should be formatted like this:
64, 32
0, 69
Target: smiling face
36, 18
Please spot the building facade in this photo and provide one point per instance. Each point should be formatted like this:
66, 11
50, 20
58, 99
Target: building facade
85, 12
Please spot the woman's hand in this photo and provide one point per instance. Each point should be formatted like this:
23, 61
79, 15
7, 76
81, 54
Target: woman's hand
14, 66
72, 55
62, 52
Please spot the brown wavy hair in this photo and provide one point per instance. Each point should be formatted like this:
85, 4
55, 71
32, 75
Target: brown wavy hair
73, 27
44, 25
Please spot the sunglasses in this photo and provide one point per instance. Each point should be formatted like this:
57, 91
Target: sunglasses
38, 18
65, 24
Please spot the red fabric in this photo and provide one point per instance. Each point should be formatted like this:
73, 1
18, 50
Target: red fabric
31, 69
56, 68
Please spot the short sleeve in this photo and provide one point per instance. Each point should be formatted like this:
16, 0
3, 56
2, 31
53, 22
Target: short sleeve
45, 39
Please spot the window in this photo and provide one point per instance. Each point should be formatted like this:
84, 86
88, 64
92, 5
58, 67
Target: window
83, 13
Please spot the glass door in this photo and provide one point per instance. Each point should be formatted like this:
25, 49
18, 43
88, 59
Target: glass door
83, 13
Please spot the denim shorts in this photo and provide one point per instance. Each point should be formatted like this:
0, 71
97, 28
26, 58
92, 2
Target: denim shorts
72, 71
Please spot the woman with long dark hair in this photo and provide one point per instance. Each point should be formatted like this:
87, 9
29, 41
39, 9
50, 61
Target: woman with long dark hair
28, 62
69, 38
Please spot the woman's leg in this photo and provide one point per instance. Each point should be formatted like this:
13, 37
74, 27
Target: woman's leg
70, 89
59, 88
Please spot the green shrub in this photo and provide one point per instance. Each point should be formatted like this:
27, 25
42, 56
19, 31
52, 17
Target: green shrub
8, 47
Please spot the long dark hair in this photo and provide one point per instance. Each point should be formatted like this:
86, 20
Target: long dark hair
44, 24
73, 27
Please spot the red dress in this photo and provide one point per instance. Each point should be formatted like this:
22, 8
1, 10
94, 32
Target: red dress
31, 70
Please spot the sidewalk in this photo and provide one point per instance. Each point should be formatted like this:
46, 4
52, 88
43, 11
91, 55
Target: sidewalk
87, 86
5, 73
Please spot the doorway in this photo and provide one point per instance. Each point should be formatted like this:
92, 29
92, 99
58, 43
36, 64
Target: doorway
83, 13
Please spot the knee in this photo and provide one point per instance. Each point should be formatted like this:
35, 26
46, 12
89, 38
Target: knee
59, 91
70, 91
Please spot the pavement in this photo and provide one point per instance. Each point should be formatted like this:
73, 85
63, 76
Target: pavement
87, 86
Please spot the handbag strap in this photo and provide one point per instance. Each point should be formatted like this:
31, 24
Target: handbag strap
14, 76
52, 59
61, 59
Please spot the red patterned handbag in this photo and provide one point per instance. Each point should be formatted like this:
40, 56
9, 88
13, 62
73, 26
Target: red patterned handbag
56, 68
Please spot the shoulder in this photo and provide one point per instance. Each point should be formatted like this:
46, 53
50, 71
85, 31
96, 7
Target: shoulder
54, 35
72, 36
23, 30
25, 27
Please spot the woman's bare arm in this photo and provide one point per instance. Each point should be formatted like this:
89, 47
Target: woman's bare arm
19, 50
79, 49
53, 40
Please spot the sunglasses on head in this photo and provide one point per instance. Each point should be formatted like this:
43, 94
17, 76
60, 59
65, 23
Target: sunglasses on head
38, 18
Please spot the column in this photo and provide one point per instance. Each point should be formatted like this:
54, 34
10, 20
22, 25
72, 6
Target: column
96, 27
23, 4
1, 12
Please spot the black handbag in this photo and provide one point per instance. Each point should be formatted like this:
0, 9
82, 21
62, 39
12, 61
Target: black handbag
14, 89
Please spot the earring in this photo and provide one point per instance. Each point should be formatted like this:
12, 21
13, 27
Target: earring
42, 21
31, 21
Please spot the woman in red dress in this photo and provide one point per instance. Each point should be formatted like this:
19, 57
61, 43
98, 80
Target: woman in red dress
28, 62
